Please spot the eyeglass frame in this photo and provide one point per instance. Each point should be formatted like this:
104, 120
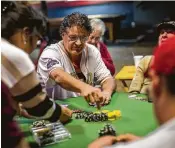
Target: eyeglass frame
83, 39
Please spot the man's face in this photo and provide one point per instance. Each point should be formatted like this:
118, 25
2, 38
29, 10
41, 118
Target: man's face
74, 40
165, 34
94, 37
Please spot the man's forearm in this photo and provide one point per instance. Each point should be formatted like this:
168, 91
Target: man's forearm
109, 85
67, 81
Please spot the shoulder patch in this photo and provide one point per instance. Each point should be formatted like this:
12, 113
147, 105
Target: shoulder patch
51, 63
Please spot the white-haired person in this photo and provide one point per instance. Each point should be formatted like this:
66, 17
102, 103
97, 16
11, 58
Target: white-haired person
98, 30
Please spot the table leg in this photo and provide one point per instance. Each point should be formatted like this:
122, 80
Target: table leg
125, 85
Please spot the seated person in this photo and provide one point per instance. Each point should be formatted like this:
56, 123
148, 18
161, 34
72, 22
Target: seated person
98, 30
162, 92
67, 68
141, 80
21, 27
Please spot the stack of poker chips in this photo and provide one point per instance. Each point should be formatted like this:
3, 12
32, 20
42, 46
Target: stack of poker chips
107, 130
92, 117
40, 123
48, 137
82, 114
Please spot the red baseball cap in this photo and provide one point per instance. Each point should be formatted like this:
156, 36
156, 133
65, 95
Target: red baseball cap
164, 58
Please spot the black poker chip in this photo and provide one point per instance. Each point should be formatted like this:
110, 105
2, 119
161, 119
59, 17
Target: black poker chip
107, 130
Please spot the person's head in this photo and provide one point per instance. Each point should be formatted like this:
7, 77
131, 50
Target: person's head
162, 74
74, 31
21, 25
98, 30
166, 30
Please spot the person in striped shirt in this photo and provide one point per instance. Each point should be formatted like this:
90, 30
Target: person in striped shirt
21, 27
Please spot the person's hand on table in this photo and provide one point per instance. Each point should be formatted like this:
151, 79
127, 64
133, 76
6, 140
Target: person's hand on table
22, 112
127, 138
106, 97
103, 142
92, 95
66, 114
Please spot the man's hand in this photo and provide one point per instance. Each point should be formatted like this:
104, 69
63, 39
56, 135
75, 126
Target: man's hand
127, 138
102, 142
106, 97
92, 94
66, 114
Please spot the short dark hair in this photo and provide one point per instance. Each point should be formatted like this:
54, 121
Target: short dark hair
15, 15
170, 83
75, 19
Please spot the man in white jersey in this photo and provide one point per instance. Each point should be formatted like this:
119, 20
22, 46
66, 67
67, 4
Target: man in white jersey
67, 68
162, 92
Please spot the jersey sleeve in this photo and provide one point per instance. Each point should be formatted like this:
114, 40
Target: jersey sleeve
49, 60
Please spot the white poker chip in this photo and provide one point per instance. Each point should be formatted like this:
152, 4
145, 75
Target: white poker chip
93, 104
132, 96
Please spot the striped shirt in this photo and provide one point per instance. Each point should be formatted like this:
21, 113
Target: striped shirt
18, 74
54, 56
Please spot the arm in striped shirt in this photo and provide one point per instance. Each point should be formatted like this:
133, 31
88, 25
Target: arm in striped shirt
29, 93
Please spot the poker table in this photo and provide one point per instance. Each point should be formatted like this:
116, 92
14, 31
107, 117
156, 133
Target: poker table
137, 118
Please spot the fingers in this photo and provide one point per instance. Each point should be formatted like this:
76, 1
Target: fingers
127, 138
97, 100
121, 138
103, 142
107, 100
92, 100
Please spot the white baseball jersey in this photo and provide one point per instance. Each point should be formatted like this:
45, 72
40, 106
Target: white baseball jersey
54, 56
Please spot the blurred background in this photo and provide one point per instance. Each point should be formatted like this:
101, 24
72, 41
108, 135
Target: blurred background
130, 25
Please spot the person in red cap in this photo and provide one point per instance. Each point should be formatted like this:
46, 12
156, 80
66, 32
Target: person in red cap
141, 80
162, 92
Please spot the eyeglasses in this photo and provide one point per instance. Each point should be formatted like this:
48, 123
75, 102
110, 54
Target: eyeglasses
75, 38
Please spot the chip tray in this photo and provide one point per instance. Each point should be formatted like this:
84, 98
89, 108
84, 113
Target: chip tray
50, 133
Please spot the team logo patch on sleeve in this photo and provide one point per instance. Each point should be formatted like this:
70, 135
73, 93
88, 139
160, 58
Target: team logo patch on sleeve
51, 63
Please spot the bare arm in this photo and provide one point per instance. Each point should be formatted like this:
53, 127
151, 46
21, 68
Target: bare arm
70, 83
29, 93
109, 85
67, 81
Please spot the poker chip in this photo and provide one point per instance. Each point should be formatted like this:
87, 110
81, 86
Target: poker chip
40, 123
107, 130
104, 115
113, 115
48, 134
141, 98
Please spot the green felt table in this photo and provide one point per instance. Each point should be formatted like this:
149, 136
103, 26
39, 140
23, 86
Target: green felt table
137, 118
